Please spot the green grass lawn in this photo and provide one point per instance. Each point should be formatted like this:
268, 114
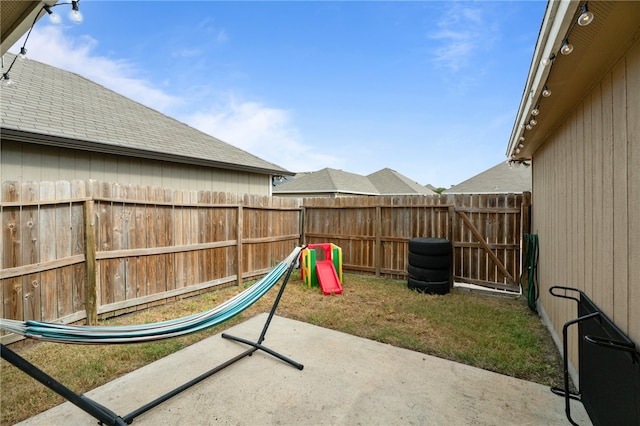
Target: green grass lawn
493, 333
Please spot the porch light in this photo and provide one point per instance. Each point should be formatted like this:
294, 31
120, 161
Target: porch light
566, 47
586, 17
546, 92
547, 61
23, 54
54, 18
75, 14
6, 81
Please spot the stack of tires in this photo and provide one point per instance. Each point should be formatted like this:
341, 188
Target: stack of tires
429, 265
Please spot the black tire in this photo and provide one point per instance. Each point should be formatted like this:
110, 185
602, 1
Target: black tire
428, 275
430, 262
430, 246
429, 288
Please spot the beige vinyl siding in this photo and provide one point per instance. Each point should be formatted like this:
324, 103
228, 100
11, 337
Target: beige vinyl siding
586, 193
30, 162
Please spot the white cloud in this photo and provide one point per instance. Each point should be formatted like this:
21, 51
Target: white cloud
462, 31
263, 131
50, 45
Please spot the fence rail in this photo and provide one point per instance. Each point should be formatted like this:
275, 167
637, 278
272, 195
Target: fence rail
74, 250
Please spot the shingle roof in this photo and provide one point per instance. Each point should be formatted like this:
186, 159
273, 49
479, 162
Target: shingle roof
499, 179
390, 182
328, 181
58, 107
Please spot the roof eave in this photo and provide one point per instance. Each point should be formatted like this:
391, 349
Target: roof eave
92, 146
557, 21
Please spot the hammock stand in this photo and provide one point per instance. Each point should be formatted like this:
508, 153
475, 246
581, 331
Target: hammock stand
107, 417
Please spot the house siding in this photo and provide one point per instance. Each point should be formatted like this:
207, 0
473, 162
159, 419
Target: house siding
31, 162
586, 189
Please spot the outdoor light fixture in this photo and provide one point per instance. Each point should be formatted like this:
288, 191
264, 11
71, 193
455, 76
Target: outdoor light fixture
533, 121
528, 126
536, 110
547, 61
23, 54
6, 81
546, 92
566, 47
75, 14
54, 18
585, 17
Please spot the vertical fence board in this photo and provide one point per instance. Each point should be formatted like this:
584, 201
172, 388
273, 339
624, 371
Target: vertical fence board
12, 288
48, 283
64, 276
180, 235
77, 228
30, 251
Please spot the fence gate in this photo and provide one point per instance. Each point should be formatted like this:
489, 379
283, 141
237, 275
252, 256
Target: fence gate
487, 238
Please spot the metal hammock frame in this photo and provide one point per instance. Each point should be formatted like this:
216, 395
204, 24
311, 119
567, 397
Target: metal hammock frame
108, 417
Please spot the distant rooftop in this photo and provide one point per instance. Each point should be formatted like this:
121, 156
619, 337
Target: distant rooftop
333, 181
499, 179
390, 182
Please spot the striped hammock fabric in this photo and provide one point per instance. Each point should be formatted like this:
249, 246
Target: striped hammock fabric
97, 335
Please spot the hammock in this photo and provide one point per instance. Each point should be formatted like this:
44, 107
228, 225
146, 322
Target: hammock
83, 334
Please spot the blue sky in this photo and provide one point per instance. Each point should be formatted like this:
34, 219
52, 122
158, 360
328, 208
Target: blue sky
427, 88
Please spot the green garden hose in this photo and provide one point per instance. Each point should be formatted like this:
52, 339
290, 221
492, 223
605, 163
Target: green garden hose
530, 269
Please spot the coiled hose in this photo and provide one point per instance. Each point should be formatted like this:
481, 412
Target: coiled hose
530, 270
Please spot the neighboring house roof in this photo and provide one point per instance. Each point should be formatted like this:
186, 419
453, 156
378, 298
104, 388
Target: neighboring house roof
390, 182
56, 107
332, 181
328, 181
499, 179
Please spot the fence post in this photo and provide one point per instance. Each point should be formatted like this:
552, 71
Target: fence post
378, 245
239, 260
91, 295
451, 215
525, 225
302, 225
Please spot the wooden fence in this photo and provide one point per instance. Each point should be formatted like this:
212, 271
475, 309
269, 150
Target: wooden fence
75, 250
485, 230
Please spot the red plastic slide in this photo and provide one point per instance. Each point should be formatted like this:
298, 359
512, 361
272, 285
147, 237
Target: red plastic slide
328, 278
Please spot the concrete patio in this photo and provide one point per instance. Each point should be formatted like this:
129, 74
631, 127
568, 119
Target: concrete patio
346, 380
